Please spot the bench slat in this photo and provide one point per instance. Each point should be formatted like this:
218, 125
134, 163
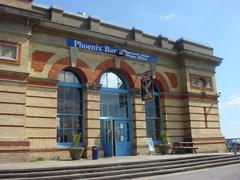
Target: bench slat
188, 147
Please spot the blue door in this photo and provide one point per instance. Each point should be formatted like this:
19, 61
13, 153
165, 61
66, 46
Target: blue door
116, 137
107, 137
122, 138
115, 117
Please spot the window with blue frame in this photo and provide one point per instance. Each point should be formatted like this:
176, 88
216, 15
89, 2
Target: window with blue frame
114, 96
153, 117
69, 107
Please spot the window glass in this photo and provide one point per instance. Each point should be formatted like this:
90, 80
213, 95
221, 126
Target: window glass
8, 52
153, 118
114, 103
69, 107
111, 80
61, 76
103, 80
68, 77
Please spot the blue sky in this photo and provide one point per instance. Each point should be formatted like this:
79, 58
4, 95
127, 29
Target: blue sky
213, 22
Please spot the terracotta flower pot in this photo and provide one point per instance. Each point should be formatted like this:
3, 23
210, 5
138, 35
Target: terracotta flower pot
164, 148
76, 153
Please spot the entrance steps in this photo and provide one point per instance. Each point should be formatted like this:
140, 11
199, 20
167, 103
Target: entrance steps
121, 170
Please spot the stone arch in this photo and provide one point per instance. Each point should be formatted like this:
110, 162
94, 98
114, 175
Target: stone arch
82, 69
161, 83
125, 69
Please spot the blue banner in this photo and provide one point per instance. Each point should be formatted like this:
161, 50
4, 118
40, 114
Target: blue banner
110, 49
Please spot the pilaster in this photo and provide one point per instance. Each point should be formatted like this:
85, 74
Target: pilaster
14, 145
92, 119
139, 126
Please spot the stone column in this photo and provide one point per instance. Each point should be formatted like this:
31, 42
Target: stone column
205, 124
139, 125
14, 146
92, 119
41, 113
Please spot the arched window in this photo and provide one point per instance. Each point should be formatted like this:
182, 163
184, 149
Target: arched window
153, 118
114, 96
69, 107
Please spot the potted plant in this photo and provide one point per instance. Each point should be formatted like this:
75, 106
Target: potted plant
76, 150
164, 147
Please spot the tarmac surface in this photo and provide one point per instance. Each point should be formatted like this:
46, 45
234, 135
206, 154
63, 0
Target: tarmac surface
229, 172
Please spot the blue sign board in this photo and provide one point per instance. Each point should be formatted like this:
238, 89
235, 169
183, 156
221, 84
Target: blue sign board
110, 49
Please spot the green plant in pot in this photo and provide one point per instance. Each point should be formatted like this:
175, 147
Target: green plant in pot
76, 150
164, 147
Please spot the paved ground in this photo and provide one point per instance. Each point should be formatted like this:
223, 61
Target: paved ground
230, 172
83, 162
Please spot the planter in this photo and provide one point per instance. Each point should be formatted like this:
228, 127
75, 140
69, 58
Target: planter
76, 153
164, 148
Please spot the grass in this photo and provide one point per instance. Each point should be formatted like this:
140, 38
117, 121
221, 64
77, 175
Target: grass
38, 159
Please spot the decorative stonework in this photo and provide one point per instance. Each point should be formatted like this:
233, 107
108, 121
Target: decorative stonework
92, 87
42, 82
201, 82
10, 75
136, 92
172, 78
161, 83
125, 69
39, 59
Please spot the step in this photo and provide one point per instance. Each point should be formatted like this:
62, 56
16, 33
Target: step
161, 172
31, 173
133, 171
144, 170
97, 165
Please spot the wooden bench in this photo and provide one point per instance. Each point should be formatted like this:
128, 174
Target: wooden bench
183, 147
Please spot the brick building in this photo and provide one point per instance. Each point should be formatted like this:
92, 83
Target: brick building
62, 73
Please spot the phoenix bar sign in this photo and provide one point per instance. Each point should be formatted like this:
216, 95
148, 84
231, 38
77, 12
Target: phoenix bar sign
110, 50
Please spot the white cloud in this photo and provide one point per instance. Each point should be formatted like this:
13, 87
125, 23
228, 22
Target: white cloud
232, 102
167, 17
156, 17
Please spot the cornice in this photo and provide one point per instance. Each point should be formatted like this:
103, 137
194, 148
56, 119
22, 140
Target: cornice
4, 9
104, 37
42, 19
213, 59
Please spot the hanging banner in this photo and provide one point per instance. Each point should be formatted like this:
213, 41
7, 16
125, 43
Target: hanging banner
147, 85
110, 50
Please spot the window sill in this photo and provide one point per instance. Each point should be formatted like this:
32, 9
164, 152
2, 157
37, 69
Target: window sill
7, 61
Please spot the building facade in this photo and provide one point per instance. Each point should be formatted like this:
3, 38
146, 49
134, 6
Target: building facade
62, 73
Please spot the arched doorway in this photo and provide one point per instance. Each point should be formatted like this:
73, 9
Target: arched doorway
154, 123
69, 107
115, 115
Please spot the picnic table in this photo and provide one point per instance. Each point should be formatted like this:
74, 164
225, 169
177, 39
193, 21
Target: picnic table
230, 143
183, 147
